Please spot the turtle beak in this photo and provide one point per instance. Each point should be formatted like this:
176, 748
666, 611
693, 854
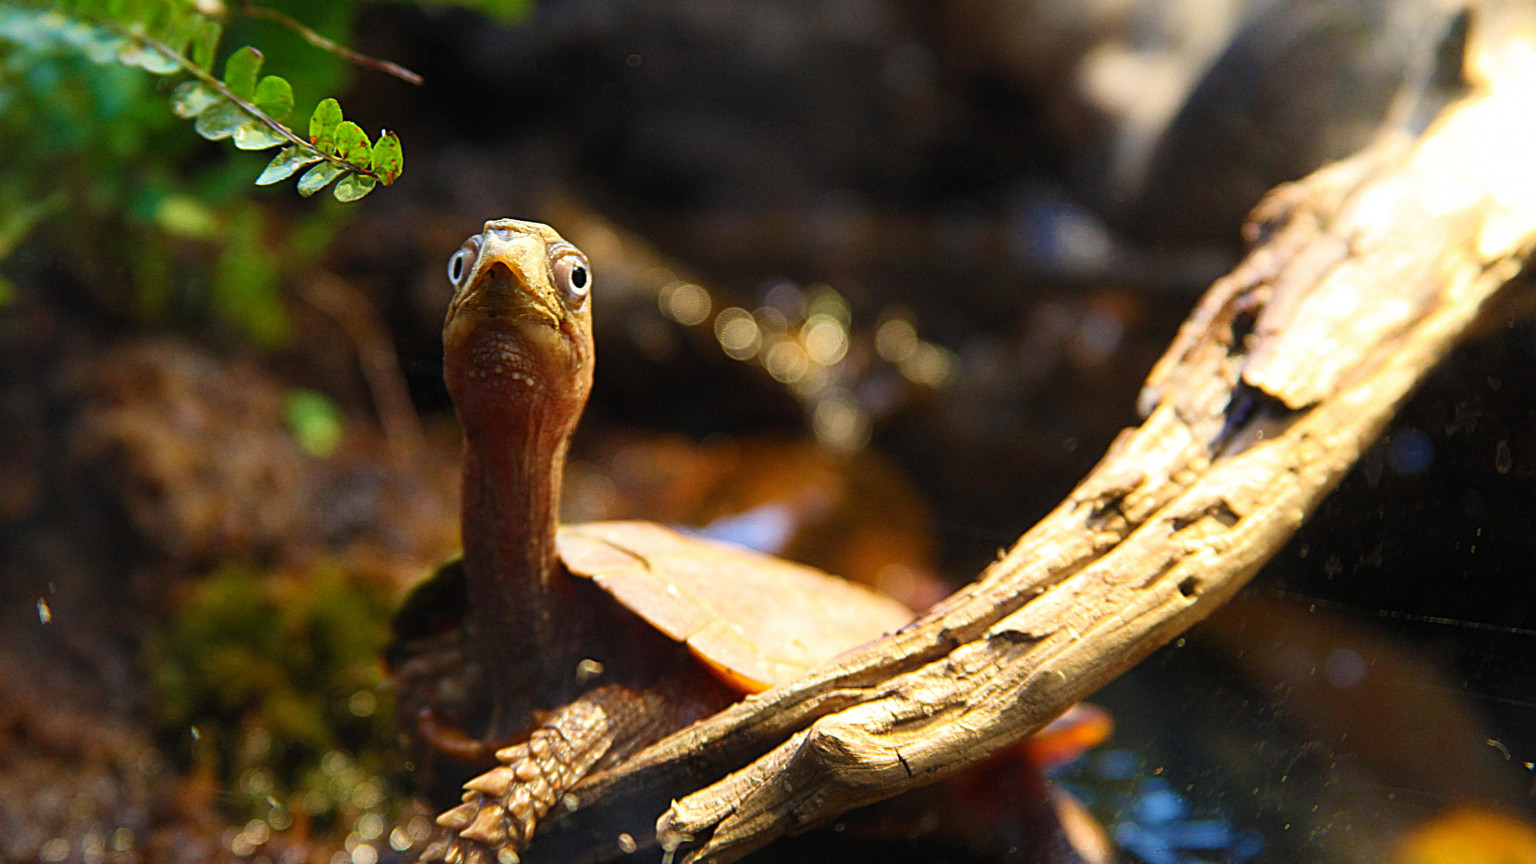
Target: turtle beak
509, 283
498, 292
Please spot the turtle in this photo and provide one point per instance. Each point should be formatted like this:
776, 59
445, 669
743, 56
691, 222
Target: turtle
557, 649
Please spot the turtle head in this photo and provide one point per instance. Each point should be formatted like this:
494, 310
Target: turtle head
517, 342
517, 359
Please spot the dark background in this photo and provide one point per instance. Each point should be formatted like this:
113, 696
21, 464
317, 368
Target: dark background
1041, 190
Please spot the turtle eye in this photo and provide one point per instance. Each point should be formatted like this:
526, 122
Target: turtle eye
573, 277
463, 261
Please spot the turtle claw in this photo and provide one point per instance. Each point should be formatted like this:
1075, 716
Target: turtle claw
480, 833
503, 806
490, 827
484, 834
463, 850
495, 782
460, 817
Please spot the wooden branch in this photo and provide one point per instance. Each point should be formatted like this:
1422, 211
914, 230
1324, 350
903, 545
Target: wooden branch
1362, 276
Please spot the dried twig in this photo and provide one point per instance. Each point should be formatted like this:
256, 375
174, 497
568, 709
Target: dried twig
308, 34
1362, 277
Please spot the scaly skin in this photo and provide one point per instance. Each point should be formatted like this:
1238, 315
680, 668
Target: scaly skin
577, 682
518, 364
604, 725
517, 357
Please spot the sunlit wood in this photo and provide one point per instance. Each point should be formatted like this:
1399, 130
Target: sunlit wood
1361, 277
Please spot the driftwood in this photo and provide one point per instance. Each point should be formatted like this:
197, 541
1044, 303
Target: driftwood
1361, 277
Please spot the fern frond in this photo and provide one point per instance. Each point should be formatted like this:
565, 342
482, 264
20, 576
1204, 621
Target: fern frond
168, 37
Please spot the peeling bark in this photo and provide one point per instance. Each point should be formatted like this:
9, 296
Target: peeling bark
1361, 277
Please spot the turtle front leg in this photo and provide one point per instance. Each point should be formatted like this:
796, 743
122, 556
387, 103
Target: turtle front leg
503, 806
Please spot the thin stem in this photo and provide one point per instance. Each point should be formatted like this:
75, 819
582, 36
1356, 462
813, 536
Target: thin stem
267, 120
306, 33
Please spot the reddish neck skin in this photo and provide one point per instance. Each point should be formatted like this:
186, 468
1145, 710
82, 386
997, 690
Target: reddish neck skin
516, 427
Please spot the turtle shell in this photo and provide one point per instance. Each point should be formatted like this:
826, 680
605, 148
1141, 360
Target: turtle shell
754, 620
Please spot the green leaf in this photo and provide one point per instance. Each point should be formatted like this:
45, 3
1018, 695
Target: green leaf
160, 64
507, 11
127, 11
274, 95
323, 123
352, 144
148, 58
387, 160
287, 161
205, 41
353, 187
315, 421
193, 98
315, 178
103, 48
156, 19
221, 121
183, 26
240, 72
257, 135
186, 216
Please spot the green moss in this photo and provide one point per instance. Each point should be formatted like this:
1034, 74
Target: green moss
272, 682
